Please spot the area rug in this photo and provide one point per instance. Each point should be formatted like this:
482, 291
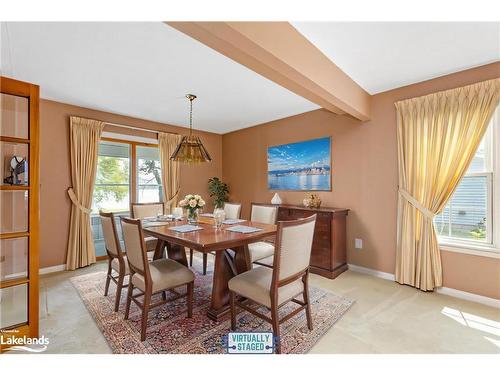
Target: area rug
170, 331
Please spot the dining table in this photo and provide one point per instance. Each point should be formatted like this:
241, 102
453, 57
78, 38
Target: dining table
230, 248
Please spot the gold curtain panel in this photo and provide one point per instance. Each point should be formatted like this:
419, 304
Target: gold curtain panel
438, 135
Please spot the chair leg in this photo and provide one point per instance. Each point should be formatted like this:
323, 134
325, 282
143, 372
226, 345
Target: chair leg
308, 303
144, 321
119, 287
190, 299
164, 295
108, 279
190, 257
205, 261
233, 310
276, 327
129, 297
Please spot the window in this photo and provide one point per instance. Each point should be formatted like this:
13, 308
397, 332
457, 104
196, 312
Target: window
112, 183
149, 187
114, 190
468, 218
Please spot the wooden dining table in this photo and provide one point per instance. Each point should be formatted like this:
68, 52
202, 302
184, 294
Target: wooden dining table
231, 253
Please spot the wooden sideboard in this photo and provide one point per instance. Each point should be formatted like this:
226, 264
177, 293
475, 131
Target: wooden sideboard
328, 254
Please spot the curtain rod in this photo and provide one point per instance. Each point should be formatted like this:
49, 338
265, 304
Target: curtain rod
136, 128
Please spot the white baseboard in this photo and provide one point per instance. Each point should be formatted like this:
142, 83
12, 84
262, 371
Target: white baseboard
52, 269
372, 272
443, 290
469, 296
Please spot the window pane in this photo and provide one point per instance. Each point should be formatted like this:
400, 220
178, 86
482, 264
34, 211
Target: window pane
466, 214
14, 306
14, 115
112, 188
148, 175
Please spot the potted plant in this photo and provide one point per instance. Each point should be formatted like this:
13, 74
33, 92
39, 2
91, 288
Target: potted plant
219, 191
192, 203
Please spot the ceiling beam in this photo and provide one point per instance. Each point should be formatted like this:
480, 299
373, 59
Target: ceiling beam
277, 51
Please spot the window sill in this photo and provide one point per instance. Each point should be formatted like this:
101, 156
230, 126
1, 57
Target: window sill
471, 249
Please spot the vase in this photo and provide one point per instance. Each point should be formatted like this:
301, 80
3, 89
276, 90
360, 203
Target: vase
276, 199
192, 216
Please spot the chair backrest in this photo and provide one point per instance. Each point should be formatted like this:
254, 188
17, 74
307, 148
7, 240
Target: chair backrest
232, 210
263, 214
110, 234
293, 247
177, 211
143, 210
133, 238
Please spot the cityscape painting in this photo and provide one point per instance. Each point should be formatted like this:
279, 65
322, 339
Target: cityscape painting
300, 166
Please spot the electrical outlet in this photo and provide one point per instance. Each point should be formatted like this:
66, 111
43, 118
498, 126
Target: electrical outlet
358, 243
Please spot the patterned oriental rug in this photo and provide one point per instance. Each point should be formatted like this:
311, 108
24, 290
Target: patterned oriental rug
171, 332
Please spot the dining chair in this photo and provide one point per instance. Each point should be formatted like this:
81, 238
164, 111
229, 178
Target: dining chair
266, 215
147, 210
116, 260
275, 287
233, 211
150, 278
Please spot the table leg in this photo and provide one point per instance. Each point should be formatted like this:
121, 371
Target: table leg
223, 272
177, 253
160, 247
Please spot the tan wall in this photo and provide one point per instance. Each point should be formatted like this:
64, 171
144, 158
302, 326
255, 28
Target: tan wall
55, 177
364, 177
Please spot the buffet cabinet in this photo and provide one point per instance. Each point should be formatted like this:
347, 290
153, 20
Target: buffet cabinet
328, 253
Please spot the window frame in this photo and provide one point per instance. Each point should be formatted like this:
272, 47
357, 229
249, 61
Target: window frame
133, 188
491, 247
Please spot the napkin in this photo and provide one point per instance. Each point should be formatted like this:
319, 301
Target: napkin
232, 221
243, 229
185, 228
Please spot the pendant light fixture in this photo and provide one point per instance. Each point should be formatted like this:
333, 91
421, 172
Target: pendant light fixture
190, 150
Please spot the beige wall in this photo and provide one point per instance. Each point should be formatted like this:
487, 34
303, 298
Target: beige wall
55, 177
364, 177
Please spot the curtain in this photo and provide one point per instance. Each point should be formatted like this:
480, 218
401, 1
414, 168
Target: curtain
84, 145
170, 170
438, 135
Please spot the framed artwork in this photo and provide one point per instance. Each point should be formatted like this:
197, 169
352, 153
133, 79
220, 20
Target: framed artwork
300, 166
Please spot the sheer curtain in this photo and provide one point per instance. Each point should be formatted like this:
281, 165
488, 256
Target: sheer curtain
438, 135
84, 145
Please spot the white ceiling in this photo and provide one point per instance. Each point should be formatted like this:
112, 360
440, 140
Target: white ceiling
381, 56
142, 70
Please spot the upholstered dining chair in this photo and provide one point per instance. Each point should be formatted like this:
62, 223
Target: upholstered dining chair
275, 287
266, 215
117, 261
147, 210
232, 211
150, 278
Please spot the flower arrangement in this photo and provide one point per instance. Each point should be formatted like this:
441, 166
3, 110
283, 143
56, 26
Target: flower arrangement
312, 200
192, 203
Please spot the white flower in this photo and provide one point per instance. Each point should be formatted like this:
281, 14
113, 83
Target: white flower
201, 202
192, 203
197, 197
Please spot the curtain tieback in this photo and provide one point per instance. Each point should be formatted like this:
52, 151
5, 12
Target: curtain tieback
167, 203
415, 203
74, 199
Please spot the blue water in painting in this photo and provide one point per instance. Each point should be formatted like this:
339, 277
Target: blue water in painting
300, 182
